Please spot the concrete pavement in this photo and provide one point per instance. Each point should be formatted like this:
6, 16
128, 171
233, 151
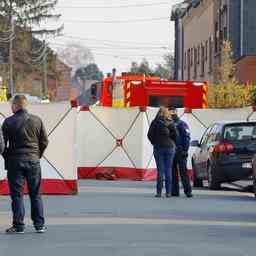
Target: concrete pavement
123, 218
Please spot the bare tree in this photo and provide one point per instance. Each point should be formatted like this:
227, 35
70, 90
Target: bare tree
76, 56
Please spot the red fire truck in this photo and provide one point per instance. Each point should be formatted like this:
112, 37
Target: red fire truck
138, 90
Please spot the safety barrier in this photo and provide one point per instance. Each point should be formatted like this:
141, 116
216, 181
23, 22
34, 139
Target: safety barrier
112, 140
115, 140
59, 173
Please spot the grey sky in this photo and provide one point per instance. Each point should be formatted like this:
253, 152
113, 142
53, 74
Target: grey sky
150, 34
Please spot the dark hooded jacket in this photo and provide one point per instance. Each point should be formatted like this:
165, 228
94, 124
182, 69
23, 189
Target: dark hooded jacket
162, 133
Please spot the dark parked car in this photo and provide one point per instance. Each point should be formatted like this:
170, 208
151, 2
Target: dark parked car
224, 153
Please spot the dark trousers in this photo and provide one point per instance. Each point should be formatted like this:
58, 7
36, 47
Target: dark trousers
164, 161
180, 169
19, 172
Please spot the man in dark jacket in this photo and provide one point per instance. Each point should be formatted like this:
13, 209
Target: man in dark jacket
180, 160
25, 140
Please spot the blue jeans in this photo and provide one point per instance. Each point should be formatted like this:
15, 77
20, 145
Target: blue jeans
180, 169
18, 172
164, 162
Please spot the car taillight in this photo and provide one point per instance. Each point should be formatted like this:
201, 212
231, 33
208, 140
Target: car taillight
222, 148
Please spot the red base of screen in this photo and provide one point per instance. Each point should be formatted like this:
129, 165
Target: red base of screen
120, 173
117, 173
48, 187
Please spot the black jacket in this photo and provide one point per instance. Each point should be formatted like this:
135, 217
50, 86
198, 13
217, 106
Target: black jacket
1, 142
162, 133
25, 137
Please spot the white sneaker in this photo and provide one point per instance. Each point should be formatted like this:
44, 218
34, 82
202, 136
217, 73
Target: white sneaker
41, 230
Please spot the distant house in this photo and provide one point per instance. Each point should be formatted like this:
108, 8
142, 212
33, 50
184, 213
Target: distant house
59, 84
201, 26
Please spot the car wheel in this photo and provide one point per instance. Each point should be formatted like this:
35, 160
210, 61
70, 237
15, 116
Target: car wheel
212, 179
198, 182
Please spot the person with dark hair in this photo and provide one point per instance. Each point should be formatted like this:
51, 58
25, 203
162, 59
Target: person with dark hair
162, 135
25, 142
180, 160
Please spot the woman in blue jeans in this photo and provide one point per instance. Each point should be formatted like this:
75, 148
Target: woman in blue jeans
163, 134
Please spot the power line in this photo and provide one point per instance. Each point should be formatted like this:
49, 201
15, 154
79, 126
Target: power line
115, 55
35, 52
118, 52
116, 6
130, 55
41, 52
111, 42
120, 47
6, 31
7, 39
116, 21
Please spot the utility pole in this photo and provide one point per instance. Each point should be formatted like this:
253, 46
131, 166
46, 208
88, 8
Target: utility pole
11, 82
45, 73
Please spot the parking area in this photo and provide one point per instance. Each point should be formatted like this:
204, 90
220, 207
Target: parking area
124, 218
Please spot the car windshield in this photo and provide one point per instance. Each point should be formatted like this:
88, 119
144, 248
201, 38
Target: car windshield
239, 132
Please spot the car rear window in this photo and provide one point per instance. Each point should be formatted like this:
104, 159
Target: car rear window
239, 132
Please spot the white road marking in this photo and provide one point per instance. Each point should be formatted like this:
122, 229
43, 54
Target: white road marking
56, 221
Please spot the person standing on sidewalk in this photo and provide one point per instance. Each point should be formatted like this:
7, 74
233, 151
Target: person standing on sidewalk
162, 135
25, 140
180, 160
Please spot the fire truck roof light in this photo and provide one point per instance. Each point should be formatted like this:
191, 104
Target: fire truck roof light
136, 82
198, 84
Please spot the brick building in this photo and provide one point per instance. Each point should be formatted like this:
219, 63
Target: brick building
200, 28
28, 77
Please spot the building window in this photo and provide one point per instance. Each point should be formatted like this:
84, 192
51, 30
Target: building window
225, 33
185, 60
3, 54
191, 57
202, 60
224, 20
188, 63
206, 51
198, 55
210, 55
216, 37
195, 63
221, 39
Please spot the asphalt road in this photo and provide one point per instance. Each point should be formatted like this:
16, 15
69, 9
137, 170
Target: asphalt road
124, 219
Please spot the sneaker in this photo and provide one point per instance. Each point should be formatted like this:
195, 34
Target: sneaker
158, 195
175, 195
168, 195
41, 230
189, 195
14, 230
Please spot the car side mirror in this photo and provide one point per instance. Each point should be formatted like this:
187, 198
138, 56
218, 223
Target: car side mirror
195, 143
